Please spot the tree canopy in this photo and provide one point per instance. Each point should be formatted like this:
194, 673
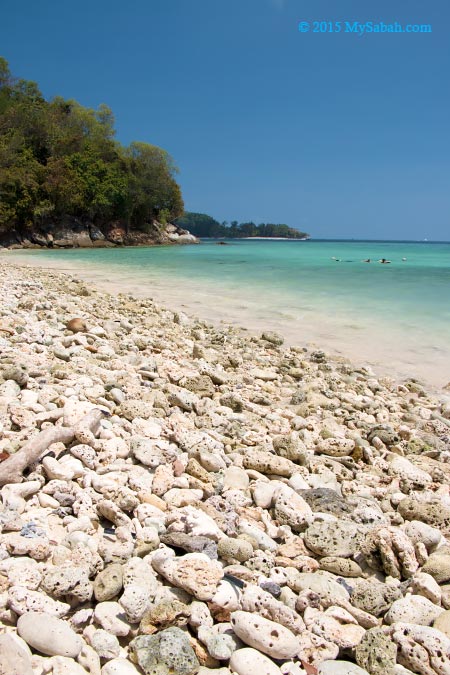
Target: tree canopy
58, 158
202, 225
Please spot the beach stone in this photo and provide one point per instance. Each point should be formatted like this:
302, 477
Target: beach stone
326, 500
442, 623
108, 583
291, 509
291, 448
135, 601
340, 668
419, 645
438, 566
195, 573
266, 463
15, 658
119, 667
235, 478
105, 644
413, 609
272, 337
234, 549
61, 581
324, 584
420, 532
336, 447
61, 665
376, 653
167, 653
339, 538
133, 408
248, 661
374, 597
341, 566
22, 600
164, 614
76, 325
264, 635
49, 635
111, 617
433, 513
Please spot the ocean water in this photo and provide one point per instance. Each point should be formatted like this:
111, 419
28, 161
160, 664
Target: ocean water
395, 317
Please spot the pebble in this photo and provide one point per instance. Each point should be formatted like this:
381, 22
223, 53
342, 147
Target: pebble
49, 635
237, 505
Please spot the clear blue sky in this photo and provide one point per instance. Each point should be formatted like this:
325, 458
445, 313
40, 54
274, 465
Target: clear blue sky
340, 135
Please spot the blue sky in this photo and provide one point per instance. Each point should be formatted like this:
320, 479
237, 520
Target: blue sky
339, 135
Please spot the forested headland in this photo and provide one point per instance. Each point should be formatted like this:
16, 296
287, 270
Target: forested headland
66, 180
202, 225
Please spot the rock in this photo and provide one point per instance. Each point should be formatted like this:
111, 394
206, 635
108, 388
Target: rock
111, 617
49, 635
291, 509
340, 668
419, 645
61, 665
105, 644
249, 661
438, 566
108, 583
236, 478
76, 325
264, 462
133, 408
167, 653
339, 538
264, 635
336, 447
413, 609
119, 667
341, 566
195, 573
234, 550
442, 623
15, 658
376, 653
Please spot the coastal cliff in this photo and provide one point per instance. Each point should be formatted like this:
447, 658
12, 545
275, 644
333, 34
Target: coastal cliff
73, 233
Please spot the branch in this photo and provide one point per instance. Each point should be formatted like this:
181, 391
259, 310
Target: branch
11, 469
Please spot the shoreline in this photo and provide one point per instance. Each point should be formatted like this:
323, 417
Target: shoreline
182, 475
343, 340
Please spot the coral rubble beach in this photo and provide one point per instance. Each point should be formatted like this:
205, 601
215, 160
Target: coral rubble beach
179, 498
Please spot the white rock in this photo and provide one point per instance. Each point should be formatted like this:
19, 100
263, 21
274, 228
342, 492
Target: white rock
249, 661
413, 609
112, 618
264, 635
49, 635
119, 667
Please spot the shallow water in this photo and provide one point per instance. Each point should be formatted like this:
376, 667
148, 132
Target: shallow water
395, 317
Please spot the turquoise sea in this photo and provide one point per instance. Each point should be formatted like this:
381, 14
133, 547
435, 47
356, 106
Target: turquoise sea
394, 316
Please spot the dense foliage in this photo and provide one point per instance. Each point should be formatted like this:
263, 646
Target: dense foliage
203, 225
58, 158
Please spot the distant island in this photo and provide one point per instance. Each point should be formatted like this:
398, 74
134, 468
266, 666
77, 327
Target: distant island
65, 181
203, 226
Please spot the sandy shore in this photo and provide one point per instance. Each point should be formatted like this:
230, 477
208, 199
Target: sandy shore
401, 354
187, 498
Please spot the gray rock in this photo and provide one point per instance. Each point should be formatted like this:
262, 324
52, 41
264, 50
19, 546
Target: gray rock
167, 653
108, 582
376, 653
340, 538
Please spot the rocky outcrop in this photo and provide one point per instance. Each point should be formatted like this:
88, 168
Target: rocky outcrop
75, 233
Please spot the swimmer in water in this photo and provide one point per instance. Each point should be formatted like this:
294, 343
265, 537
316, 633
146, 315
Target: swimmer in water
383, 261
368, 260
